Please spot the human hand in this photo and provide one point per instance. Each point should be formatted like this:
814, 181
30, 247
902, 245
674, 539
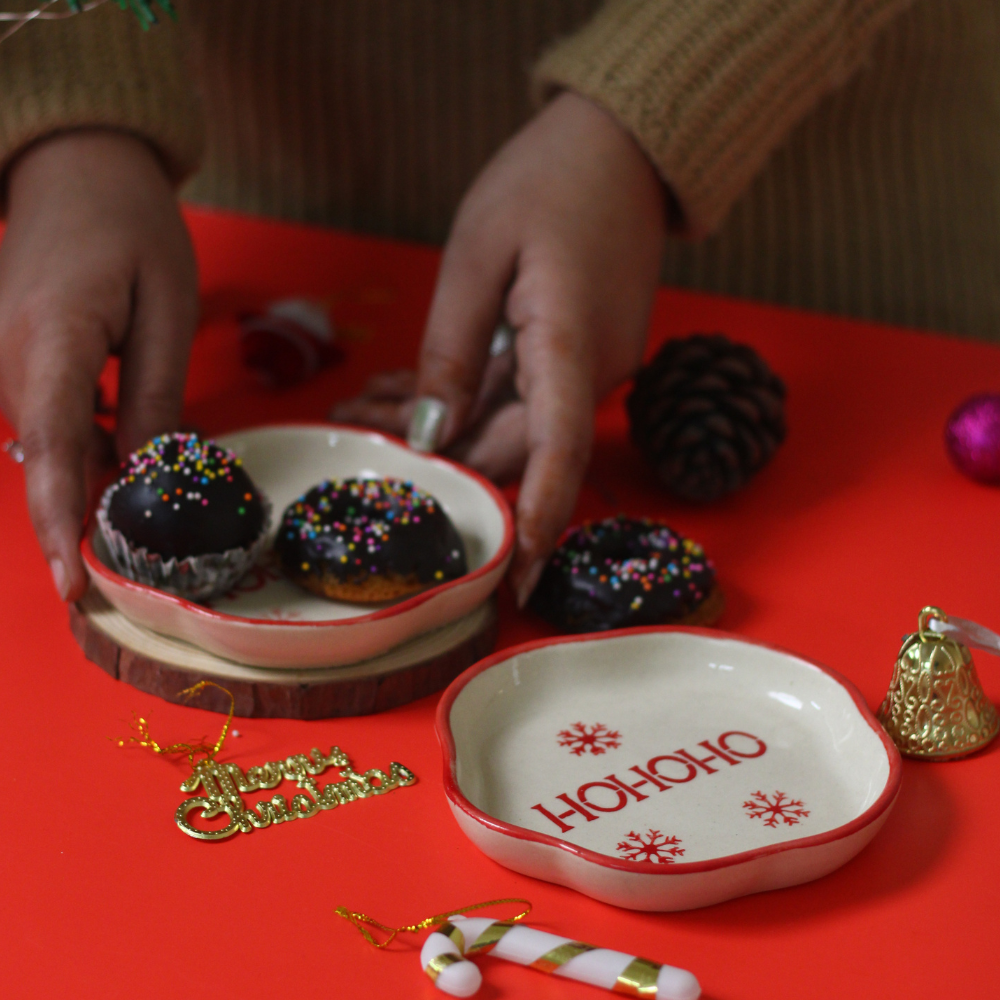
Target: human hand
95, 260
561, 235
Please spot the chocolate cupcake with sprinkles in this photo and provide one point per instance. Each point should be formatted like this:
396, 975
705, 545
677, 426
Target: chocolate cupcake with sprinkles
184, 517
623, 572
368, 541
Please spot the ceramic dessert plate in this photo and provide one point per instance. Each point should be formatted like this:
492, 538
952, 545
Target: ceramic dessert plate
664, 768
267, 621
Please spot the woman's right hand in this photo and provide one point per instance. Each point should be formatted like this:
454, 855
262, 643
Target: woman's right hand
95, 260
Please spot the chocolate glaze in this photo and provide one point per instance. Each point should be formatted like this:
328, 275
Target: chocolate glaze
622, 572
179, 496
355, 529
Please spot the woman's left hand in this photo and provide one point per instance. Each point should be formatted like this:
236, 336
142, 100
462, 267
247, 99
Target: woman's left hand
560, 236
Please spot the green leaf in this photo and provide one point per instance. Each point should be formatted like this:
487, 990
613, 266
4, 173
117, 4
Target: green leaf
143, 9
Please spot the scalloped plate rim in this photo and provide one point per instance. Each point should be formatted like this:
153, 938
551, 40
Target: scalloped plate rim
166, 610
873, 814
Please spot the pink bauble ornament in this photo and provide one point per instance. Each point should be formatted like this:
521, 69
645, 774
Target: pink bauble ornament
972, 437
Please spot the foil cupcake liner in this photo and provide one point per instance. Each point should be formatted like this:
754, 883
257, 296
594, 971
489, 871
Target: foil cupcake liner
196, 578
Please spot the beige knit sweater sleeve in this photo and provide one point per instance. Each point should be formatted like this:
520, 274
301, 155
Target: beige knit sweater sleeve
100, 69
710, 87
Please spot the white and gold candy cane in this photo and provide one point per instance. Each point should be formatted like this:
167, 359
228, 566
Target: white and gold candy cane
441, 956
443, 959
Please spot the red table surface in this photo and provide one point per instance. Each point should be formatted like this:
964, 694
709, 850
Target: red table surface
858, 522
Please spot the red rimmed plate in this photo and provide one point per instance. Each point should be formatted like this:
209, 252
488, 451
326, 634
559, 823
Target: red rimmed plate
267, 621
664, 768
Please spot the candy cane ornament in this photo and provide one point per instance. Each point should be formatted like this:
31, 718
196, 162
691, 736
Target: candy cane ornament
443, 959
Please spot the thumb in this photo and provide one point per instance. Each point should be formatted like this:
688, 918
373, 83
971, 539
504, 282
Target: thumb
56, 431
467, 304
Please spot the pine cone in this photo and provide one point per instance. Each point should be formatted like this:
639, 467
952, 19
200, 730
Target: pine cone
707, 414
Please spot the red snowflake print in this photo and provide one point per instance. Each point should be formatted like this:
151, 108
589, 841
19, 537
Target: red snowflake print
774, 808
654, 846
596, 738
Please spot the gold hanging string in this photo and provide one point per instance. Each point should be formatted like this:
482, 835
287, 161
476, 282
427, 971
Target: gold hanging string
144, 739
360, 920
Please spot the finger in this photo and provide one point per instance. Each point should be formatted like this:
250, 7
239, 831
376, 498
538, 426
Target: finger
386, 403
389, 416
156, 351
559, 428
399, 384
498, 447
496, 388
467, 305
100, 462
55, 426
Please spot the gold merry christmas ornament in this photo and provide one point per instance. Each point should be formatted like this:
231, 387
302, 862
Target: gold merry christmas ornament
222, 784
936, 708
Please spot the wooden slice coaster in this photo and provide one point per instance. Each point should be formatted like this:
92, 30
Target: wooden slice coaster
163, 666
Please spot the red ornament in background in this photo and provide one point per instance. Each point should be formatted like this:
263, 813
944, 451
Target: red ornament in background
972, 437
289, 342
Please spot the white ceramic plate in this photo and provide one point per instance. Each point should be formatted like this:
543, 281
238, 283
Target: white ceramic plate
267, 621
664, 768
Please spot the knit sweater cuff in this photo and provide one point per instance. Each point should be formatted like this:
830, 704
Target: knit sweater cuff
710, 87
100, 70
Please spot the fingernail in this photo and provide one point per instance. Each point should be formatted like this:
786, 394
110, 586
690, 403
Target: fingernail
59, 577
529, 582
503, 339
14, 450
426, 423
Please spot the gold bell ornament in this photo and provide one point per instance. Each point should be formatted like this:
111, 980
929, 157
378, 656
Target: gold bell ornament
936, 708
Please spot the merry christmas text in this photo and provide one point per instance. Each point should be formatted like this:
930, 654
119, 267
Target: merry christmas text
223, 783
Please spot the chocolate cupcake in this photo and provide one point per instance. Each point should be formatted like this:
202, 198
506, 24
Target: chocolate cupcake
184, 517
626, 571
368, 540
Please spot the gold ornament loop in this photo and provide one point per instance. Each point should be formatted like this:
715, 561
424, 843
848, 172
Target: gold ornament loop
925, 616
144, 739
362, 921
